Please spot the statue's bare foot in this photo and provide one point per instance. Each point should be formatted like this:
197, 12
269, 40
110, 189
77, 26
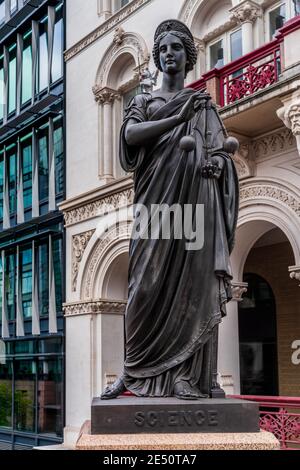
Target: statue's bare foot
185, 391
114, 390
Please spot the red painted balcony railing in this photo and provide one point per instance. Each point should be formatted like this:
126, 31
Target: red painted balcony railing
281, 417
248, 74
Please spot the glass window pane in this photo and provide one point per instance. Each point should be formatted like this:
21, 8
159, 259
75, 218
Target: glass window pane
1, 88
26, 281
216, 55
12, 79
43, 163
24, 400
1, 287
57, 60
27, 68
43, 270
43, 56
59, 156
12, 177
2, 11
27, 172
236, 44
6, 378
57, 262
1, 184
50, 397
10, 284
277, 19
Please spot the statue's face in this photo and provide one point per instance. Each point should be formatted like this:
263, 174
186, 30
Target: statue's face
172, 54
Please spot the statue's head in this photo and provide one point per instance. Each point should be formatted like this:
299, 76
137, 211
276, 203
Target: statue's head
173, 38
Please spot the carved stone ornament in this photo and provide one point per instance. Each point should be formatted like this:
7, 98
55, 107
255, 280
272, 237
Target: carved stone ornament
273, 143
244, 165
79, 244
260, 190
98, 208
246, 11
105, 95
98, 307
295, 273
290, 115
238, 290
119, 36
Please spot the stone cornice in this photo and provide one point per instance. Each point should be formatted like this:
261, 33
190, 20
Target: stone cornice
105, 28
95, 203
97, 307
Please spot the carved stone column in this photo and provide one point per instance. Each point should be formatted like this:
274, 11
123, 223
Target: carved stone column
295, 273
246, 13
290, 115
106, 98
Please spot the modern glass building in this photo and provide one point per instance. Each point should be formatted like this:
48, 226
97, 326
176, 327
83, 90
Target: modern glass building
31, 227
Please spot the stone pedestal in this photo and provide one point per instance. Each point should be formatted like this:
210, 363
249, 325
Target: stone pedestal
131, 423
168, 442
132, 415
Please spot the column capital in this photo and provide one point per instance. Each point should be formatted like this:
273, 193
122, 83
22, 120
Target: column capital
105, 95
246, 12
238, 290
295, 273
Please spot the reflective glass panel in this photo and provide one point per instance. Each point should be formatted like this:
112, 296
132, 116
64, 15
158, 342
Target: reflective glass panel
216, 55
6, 380
12, 79
25, 392
50, 396
27, 68
26, 280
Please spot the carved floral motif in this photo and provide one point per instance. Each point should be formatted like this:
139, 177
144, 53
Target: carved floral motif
79, 244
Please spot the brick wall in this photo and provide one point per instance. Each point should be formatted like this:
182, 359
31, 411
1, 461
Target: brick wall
272, 262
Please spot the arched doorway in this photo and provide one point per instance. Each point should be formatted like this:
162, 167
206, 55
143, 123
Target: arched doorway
268, 318
258, 338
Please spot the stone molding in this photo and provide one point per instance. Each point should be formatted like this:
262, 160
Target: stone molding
238, 290
289, 113
79, 244
231, 23
274, 191
97, 307
105, 28
123, 42
246, 11
99, 202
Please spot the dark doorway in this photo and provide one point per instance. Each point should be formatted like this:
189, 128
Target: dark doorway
258, 339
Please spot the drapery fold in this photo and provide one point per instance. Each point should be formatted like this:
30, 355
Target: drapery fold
177, 297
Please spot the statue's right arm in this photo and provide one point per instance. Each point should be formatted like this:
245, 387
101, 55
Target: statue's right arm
139, 133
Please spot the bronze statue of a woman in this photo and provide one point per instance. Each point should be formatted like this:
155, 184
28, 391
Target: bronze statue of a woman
177, 297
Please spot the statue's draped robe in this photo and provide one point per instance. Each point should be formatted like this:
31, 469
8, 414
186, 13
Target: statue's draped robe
176, 297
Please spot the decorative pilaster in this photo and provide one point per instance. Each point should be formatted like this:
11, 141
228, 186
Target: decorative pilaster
295, 273
106, 98
246, 13
238, 290
290, 115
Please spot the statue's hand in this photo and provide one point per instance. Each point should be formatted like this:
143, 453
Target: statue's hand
213, 168
192, 106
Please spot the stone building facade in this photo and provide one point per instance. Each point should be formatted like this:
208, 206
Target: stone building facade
247, 61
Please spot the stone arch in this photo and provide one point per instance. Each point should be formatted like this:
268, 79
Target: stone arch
265, 204
99, 263
130, 46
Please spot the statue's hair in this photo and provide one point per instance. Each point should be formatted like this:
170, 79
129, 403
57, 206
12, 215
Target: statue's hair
189, 46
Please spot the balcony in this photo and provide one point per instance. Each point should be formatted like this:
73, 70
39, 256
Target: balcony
281, 417
256, 73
